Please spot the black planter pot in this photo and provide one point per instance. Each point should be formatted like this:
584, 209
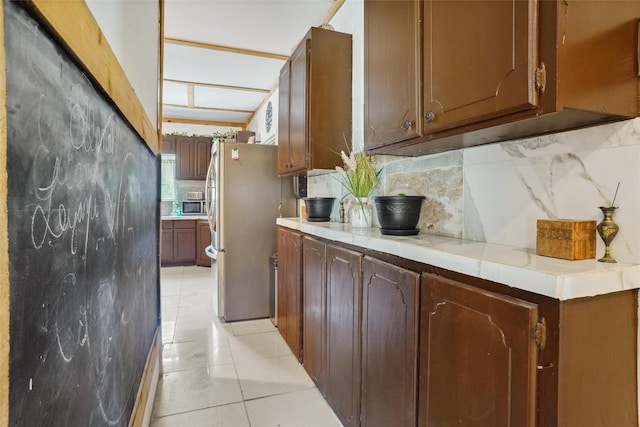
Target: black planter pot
399, 215
319, 208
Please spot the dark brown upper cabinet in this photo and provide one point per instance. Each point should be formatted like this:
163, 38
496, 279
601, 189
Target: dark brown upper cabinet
442, 75
392, 81
168, 144
314, 120
500, 50
192, 157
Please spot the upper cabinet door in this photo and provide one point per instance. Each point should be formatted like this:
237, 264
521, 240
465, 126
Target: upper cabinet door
392, 56
315, 103
202, 156
184, 157
298, 109
283, 119
480, 59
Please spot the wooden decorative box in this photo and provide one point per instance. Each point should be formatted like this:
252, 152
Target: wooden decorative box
566, 238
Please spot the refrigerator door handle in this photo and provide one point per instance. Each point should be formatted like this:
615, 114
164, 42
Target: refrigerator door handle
211, 211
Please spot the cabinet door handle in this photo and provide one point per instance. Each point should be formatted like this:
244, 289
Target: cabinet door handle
406, 125
429, 116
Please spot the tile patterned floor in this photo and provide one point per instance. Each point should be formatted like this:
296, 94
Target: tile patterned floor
218, 374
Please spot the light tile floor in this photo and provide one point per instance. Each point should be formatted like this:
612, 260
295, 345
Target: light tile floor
218, 374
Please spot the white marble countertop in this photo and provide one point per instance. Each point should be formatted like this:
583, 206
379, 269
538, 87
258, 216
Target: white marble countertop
184, 216
512, 266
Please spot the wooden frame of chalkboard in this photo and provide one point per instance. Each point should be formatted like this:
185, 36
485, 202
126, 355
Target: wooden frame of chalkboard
4, 248
79, 241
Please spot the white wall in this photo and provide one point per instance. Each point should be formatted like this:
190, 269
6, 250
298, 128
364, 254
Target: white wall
350, 19
132, 28
258, 122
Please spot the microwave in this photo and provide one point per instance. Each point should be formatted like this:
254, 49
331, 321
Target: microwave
194, 207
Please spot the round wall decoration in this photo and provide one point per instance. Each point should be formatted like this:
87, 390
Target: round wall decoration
268, 117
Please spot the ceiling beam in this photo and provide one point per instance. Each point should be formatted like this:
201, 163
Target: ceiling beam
243, 126
190, 95
217, 86
223, 48
231, 110
337, 4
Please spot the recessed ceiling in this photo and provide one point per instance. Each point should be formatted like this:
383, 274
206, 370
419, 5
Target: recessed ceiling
222, 59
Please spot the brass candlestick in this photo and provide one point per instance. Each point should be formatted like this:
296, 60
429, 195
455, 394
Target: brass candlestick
607, 230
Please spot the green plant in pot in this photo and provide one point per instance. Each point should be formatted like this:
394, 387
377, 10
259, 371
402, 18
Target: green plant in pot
359, 177
398, 215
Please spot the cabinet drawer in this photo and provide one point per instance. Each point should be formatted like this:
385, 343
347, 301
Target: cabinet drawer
185, 223
167, 224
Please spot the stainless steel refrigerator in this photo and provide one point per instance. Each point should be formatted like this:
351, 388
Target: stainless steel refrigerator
249, 196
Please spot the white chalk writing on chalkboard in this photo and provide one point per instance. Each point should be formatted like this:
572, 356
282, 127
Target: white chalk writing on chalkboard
83, 240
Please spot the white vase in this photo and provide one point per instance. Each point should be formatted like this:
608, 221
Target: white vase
361, 214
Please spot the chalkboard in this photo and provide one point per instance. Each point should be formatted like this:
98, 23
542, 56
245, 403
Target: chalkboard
83, 240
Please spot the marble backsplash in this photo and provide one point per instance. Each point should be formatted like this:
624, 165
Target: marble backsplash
496, 192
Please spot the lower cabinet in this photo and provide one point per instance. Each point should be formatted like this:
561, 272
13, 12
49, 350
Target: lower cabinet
180, 240
184, 241
391, 342
478, 356
360, 320
390, 298
289, 288
314, 297
342, 375
166, 242
331, 325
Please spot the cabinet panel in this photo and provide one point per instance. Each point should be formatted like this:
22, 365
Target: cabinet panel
284, 98
202, 155
390, 298
168, 144
281, 300
313, 309
463, 83
342, 380
184, 245
393, 74
289, 289
184, 157
478, 358
298, 110
184, 223
166, 242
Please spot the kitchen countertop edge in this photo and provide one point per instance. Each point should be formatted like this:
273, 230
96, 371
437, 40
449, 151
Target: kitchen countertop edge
516, 267
181, 217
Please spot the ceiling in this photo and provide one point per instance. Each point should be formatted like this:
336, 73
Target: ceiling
222, 58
